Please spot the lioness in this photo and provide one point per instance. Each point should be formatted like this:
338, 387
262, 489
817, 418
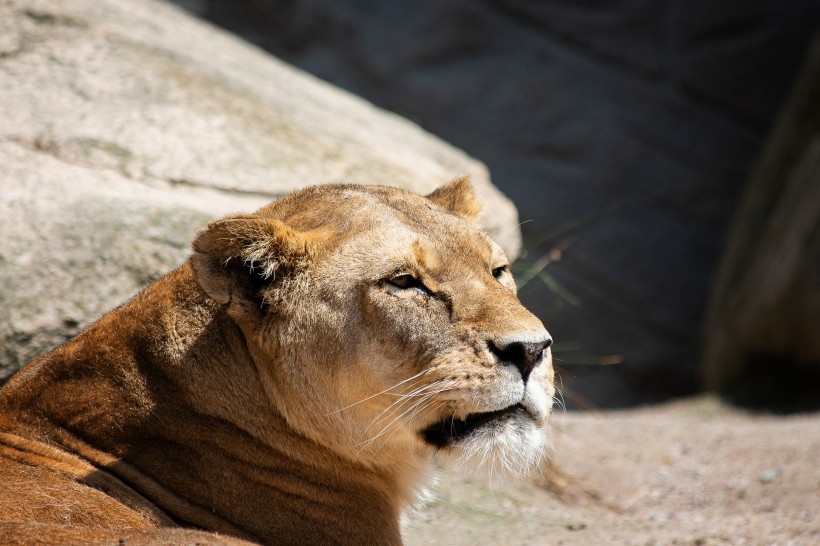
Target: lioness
289, 384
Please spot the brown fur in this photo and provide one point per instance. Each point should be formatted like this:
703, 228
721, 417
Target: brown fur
277, 386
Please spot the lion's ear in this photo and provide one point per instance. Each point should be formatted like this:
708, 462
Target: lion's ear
237, 259
458, 197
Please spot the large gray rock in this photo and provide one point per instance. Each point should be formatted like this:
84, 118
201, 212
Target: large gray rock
126, 124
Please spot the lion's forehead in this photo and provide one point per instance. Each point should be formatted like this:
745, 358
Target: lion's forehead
447, 256
381, 237
468, 257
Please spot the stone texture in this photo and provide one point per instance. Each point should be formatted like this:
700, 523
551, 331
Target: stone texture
624, 131
128, 124
690, 473
762, 343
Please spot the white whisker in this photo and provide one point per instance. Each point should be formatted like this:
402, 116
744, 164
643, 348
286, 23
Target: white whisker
397, 420
382, 392
411, 411
404, 398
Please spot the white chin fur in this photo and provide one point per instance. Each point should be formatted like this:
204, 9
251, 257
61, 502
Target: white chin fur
499, 450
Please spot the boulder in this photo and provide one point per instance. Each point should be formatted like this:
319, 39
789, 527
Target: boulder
127, 124
762, 347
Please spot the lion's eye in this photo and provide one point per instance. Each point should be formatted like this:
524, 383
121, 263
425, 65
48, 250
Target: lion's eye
407, 282
499, 271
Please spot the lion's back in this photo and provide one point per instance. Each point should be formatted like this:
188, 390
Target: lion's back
48, 496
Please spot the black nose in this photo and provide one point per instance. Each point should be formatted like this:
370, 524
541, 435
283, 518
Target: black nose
524, 355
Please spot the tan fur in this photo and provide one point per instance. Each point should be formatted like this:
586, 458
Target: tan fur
289, 384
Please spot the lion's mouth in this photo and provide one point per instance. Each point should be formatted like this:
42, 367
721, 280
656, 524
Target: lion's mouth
450, 430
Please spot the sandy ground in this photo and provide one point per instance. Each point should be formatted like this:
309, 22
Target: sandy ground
694, 472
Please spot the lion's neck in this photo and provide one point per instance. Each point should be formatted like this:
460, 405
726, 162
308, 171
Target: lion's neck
156, 395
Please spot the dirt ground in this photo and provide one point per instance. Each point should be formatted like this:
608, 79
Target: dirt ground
694, 472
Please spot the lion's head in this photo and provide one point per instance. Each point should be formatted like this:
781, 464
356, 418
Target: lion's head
385, 325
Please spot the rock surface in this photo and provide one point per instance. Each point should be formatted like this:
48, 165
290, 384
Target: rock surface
762, 343
692, 473
127, 124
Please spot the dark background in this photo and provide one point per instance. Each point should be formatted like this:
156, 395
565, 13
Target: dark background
624, 131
